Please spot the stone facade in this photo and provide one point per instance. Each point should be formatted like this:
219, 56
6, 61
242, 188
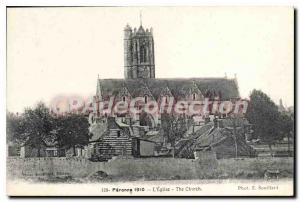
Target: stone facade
140, 81
138, 53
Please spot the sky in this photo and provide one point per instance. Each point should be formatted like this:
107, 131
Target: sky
60, 51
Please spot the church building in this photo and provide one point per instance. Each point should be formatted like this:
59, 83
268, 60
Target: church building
140, 81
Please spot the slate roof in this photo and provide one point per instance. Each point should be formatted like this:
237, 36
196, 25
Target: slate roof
97, 132
225, 88
153, 136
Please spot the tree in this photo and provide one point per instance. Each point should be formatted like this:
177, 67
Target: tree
72, 130
15, 128
264, 114
287, 126
37, 126
173, 128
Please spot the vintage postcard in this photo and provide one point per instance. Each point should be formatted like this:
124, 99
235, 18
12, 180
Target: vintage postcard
150, 101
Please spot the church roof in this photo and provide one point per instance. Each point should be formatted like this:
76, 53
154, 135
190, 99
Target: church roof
179, 87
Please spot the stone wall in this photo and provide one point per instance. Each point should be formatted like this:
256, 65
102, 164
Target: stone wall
149, 168
81, 167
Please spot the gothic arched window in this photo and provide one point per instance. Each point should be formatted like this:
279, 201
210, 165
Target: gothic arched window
143, 53
136, 50
131, 52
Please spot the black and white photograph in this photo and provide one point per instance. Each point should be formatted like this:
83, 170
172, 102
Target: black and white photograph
150, 101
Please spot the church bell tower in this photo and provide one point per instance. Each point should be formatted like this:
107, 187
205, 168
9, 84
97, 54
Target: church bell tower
138, 53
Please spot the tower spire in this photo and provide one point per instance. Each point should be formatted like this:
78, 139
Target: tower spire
141, 18
98, 90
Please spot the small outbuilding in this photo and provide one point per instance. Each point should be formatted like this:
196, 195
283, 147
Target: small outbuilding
143, 147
